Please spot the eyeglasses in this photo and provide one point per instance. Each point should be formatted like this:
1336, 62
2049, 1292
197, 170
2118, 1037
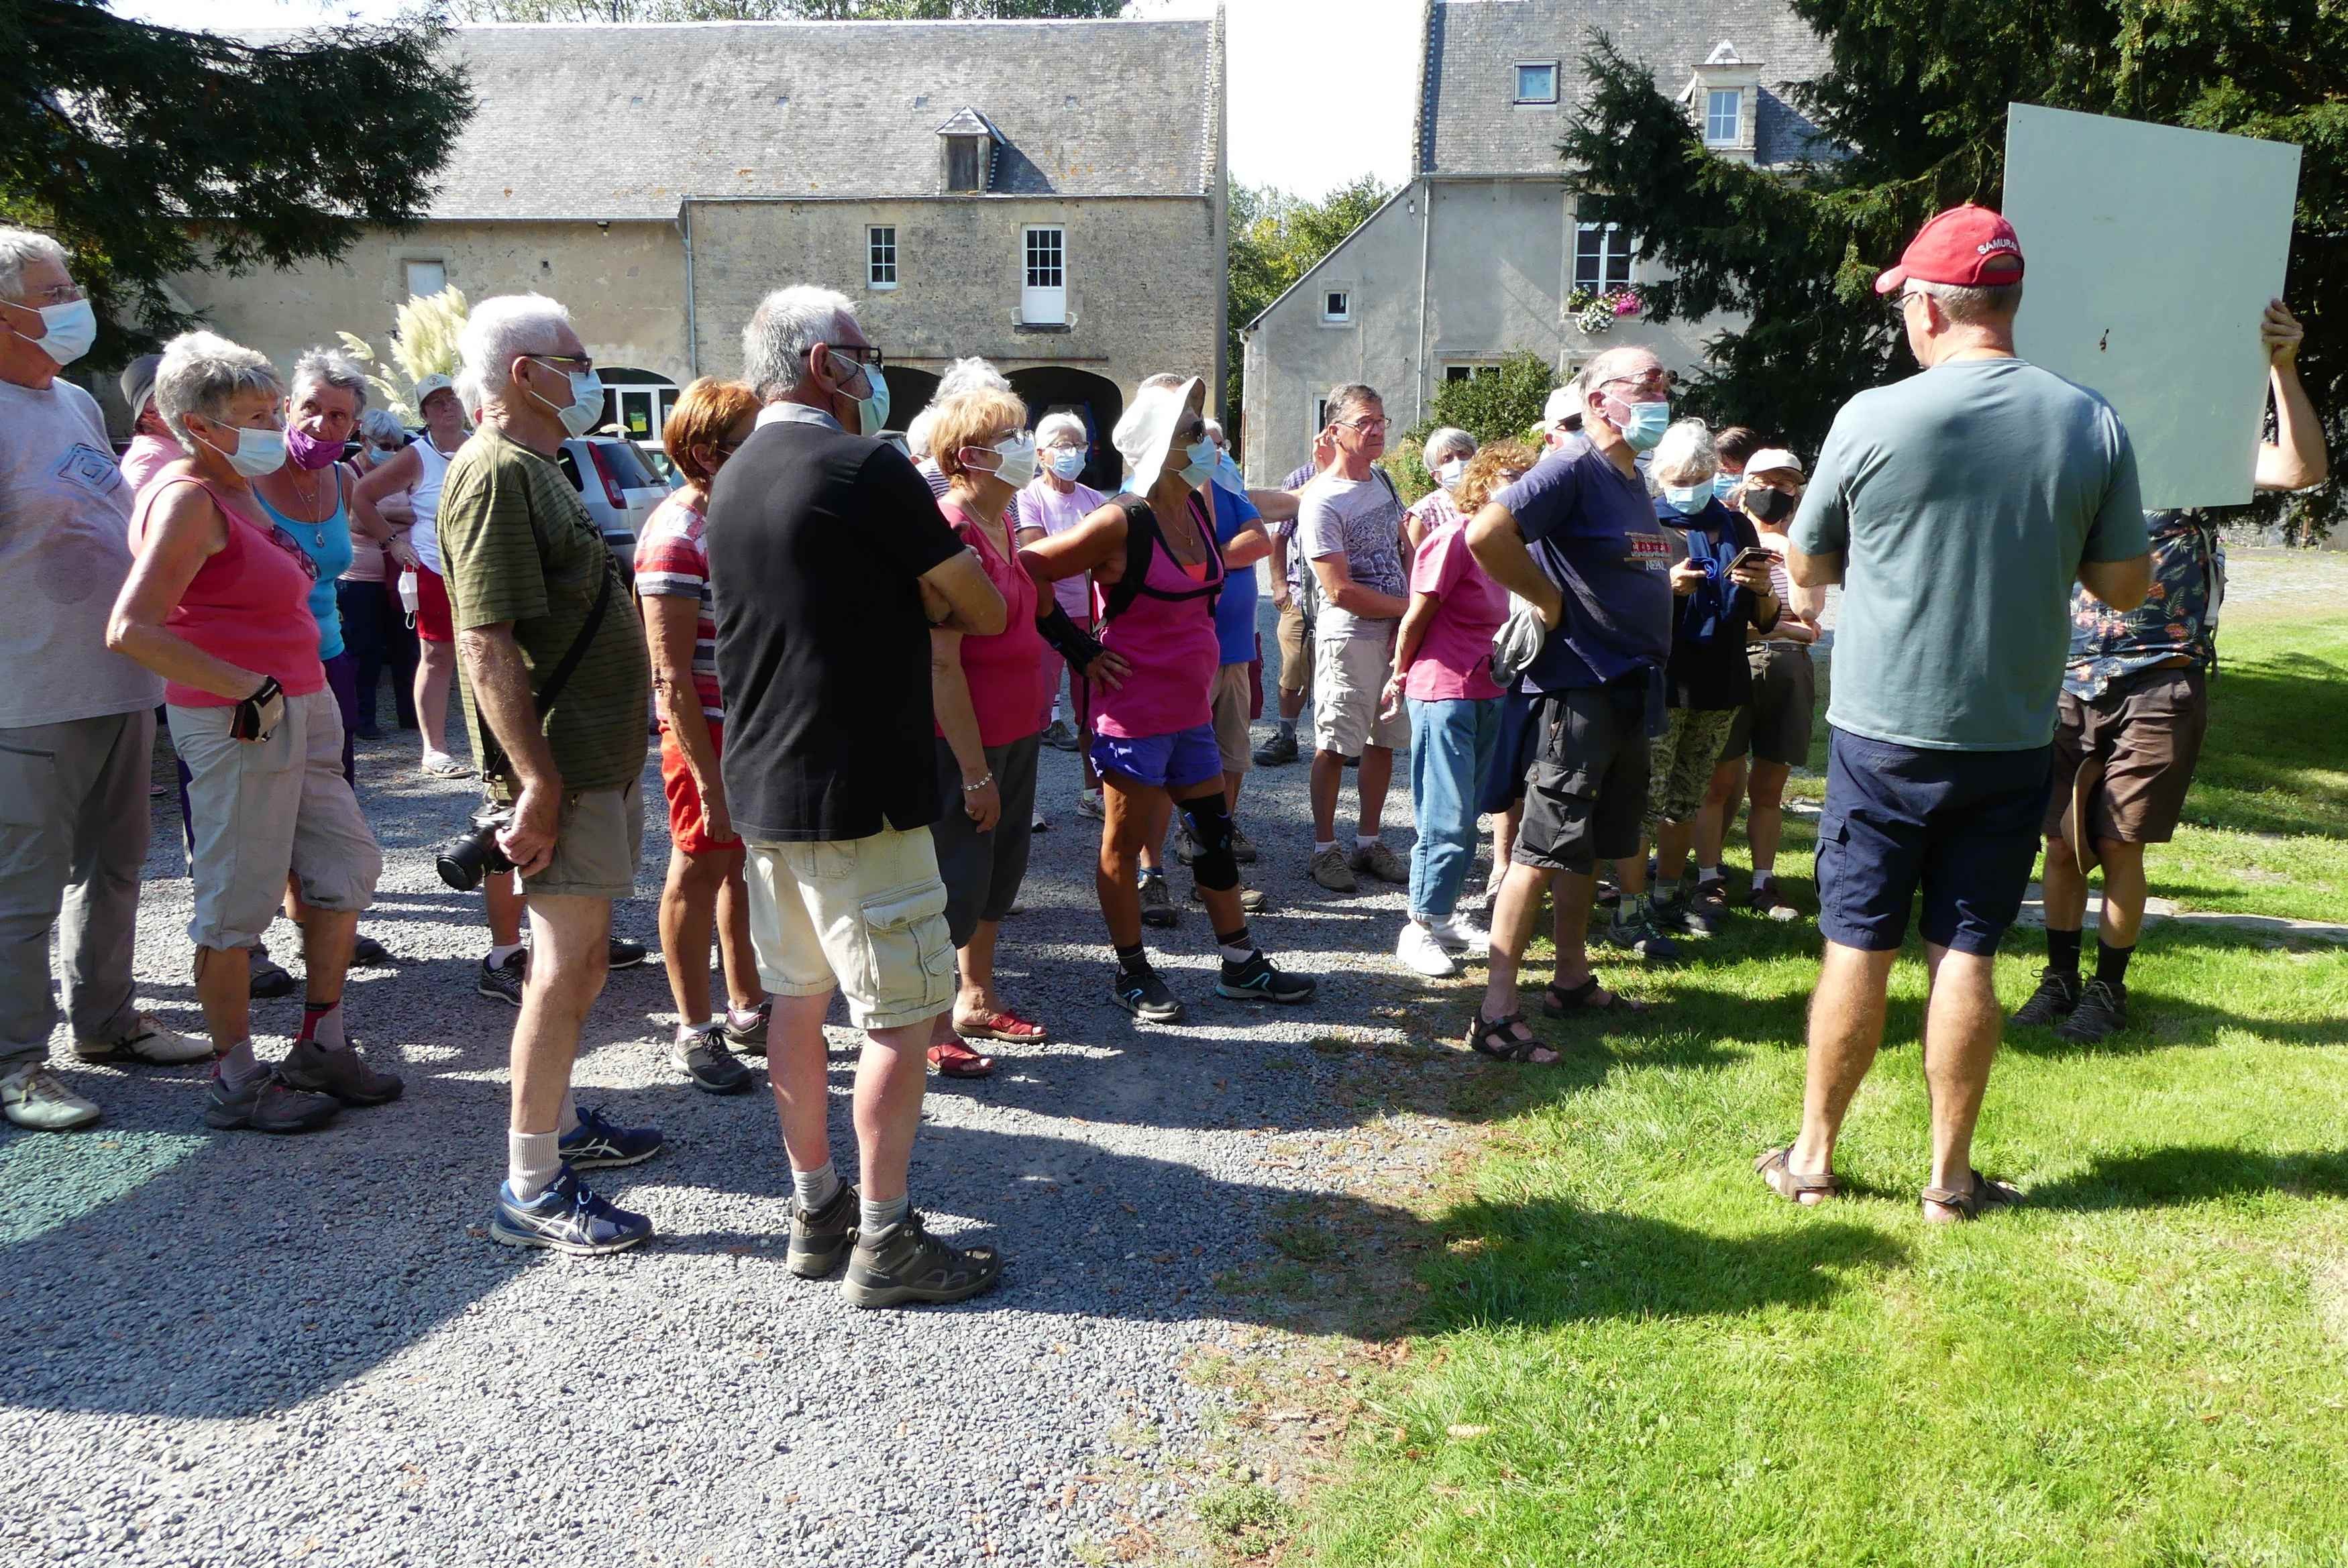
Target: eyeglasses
1374, 425
1898, 303
1190, 433
863, 353
54, 294
585, 362
1655, 380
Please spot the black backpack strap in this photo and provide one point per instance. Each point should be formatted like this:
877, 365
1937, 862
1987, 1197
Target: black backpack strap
1140, 538
543, 699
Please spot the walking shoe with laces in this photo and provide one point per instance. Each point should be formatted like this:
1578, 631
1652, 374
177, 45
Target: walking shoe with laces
1145, 996
1059, 737
2102, 1009
820, 1238
1251, 899
1640, 935
268, 980
342, 1073
366, 953
1765, 901
1156, 904
622, 954
702, 1056
1243, 848
905, 1264
1257, 981
1328, 869
1277, 751
1706, 909
504, 980
146, 1042
598, 1144
1089, 804
1185, 848
1459, 933
37, 1098
2057, 994
267, 1104
1376, 860
567, 1218
750, 1039
1422, 953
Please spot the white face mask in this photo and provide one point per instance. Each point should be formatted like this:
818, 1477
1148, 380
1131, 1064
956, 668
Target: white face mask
1447, 473
257, 452
1015, 459
72, 327
585, 409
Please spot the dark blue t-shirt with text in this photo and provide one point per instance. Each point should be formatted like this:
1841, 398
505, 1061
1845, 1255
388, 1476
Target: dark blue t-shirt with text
1592, 531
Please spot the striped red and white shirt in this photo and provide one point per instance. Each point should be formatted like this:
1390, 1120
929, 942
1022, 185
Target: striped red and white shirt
672, 563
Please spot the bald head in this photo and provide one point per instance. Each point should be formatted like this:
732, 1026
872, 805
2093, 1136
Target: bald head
1625, 363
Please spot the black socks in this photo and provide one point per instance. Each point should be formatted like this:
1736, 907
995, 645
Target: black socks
2063, 950
1133, 960
2111, 964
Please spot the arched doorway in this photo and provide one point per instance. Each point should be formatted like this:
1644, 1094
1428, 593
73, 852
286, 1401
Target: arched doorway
910, 392
1057, 388
637, 401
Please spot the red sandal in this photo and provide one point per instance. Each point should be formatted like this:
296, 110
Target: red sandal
1002, 1024
954, 1058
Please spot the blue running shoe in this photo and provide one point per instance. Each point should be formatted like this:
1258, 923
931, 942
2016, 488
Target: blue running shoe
596, 1144
566, 1217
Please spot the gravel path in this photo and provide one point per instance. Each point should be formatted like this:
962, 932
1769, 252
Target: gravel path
230, 1349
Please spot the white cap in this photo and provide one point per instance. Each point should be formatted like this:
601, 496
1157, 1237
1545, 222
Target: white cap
429, 384
1563, 403
1771, 458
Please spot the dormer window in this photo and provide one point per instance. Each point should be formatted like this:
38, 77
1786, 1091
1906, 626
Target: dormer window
968, 141
1724, 117
1537, 82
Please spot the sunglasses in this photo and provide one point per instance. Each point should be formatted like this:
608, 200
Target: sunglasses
292, 547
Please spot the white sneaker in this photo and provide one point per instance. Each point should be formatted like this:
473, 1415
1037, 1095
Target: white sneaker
1090, 804
147, 1041
1459, 933
37, 1098
1419, 950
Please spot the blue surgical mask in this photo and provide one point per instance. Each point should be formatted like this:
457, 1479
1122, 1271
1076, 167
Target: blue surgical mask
1724, 485
1067, 462
1201, 466
257, 452
1688, 498
72, 327
1226, 475
585, 409
1447, 473
872, 408
1646, 425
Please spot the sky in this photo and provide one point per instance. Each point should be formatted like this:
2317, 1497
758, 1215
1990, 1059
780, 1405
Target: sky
1322, 91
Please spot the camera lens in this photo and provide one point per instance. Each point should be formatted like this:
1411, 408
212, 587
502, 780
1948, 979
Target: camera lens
461, 862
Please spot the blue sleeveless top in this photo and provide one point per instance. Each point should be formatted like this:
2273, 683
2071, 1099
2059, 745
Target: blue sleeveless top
328, 544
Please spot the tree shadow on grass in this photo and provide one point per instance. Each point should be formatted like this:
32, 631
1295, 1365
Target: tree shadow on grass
2159, 1019
2272, 761
2193, 1174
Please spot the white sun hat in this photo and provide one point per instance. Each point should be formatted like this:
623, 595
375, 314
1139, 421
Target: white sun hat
1145, 437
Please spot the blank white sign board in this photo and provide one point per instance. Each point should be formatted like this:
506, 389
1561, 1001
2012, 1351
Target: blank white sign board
2151, 253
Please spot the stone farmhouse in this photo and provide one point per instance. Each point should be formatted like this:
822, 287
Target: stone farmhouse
1481, 254
1048, 195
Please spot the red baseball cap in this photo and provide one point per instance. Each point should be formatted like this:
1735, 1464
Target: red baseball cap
1968, 246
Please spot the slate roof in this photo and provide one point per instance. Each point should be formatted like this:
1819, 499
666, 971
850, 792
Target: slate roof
1469, 123
623, 121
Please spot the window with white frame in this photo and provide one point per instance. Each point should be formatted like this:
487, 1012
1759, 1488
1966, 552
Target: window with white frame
1603, 254
1336, 305
425, 279
1724, 117
1468, 371
1044, 297
1537, 81
881, 256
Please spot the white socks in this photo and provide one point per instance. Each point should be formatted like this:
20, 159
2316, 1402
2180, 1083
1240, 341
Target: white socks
876, 1215
500, 952
813, 1189
1707, 873
1320, 848
532, 1162
568, 1122
1366, 840
238, 1066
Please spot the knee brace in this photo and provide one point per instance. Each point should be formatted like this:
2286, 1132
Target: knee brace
1212, 828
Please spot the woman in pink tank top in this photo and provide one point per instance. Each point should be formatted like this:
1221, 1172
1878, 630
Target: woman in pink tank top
1154, 741
218, 603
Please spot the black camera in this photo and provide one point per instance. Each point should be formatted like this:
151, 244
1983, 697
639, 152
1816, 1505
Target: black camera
465, 859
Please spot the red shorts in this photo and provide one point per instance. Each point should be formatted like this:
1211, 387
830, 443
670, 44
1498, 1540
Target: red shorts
432, 622
687, 830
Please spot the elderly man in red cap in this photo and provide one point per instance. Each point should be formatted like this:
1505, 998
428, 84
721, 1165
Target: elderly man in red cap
1956, 508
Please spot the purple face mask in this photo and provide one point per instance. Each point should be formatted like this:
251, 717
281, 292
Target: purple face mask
307, 451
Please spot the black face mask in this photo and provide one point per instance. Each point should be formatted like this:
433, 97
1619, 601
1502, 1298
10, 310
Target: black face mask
1768, 505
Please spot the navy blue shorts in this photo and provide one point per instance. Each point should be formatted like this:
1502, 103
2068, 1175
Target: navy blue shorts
1962, 826
1175, 763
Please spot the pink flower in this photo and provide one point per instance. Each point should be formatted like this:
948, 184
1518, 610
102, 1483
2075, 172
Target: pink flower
1626, 303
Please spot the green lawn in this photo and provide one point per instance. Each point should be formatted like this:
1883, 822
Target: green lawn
1629, 1354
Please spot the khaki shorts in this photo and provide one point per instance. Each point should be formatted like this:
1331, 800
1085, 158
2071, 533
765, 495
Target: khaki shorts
259, 810
1234, 695
1349, 677
598, 839
1295, 650
865, 915
2145, 731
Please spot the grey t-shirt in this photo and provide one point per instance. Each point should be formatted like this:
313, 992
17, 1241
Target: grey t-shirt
1963, 500
65, 548
1361, 521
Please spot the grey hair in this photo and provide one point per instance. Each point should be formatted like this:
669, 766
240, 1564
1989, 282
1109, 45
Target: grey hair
468, 388
331, 367
1444, 443
917, 431
1055, 426
1685, 456
786, 324
1348, 397
971, 374
1601, 366
1215, 431
18, 246
202, 372
381, 430
503, 329
1971, 307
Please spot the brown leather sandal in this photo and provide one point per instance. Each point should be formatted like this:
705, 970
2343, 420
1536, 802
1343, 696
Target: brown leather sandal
1969, 1203
1778, 1173
1492, 1036
1558, 1001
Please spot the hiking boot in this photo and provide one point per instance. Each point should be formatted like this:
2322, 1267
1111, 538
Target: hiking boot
1141, 993
1156, 904
1277, 751
1765, 901
702, 1057
342, 1072
1059, 737
504, 980
269, 979
597, 1143
1640, 935
1242, 848
1257, 981
1251, 899
2102, 1009
37, 1098
1706, 909
1328, 869
905, 1264
2057, 994
1089, 804
625, 954
1376, 860
267, 1104
820, 1238
566, 1218
750, 1039
146, 1042
1422, 953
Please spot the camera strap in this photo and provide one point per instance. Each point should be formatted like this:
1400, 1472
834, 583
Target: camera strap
493, 762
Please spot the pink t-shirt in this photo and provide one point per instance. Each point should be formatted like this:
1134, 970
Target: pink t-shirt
1454, 656
1004, 672
147, 456
1172, 647
249, 604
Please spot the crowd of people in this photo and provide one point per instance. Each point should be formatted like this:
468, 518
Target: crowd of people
854, 645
